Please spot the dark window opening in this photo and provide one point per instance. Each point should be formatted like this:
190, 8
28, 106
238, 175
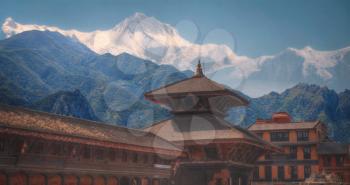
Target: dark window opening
2, 144
294, 173
307, 152
307, 171
268, 173
339, 160
145, 158
155, 159
211, 153
303, 135
56, 149
86, 152
135, 158
38, 147
327, 161
268, 156
293, 152
279, 136
124, 156
99, 153
111, 155
256, 173
280, 173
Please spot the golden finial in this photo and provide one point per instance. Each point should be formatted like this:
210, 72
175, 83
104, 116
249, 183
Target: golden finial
199, 71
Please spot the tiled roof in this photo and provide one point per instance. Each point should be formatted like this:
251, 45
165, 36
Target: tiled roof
282, 126
196, 85
333, 148
201, 127
25, 119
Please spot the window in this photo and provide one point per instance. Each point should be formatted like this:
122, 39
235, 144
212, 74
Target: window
280, 173
307, 171
307, 152
2, 144
293, 172
124, 156
56, 149
135, 157
256, 173
38, 147
211, 153
279, 136
99, 153
86, 152
111, 155
268, 156
145, 158
260, 134
327, 161
155, 159
268, 173
339, 160
303, 135
293, 152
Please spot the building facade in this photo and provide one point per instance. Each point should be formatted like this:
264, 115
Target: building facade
334, 158
195, 147
299, 141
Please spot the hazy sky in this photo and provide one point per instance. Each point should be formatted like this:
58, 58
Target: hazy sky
259, 27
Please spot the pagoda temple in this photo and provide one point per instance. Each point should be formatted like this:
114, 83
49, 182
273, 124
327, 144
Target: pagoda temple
218, 152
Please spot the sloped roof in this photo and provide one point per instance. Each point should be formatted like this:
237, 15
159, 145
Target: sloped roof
282, 126
201, 127
329, 148
197, 85
25, 119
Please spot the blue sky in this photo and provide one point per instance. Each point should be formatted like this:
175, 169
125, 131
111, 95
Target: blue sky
259, 27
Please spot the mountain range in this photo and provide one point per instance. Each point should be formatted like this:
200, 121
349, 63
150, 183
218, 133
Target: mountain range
148, 38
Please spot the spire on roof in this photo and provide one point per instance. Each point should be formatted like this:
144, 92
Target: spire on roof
199, 71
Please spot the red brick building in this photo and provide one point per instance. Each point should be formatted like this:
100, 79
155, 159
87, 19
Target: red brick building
299, 141
335, 158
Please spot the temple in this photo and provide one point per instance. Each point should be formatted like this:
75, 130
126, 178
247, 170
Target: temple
217, 152
195, 147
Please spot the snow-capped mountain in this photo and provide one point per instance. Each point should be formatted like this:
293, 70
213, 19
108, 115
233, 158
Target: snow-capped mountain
148, 38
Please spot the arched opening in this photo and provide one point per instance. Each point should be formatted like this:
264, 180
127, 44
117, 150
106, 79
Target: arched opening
124, 181
99, 180
70, 180
54, 180
112, 181
37, 179
86, 180
18, 179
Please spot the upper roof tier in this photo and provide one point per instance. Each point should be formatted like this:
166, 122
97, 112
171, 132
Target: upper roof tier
199, 87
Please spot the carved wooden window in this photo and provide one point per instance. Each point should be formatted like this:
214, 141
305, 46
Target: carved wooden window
211, 153
145, 158
280, 172
307, 152
279, 136
256, 173
56, 148
155, 159
111, 154
99, 154
86, 152
293, 172
38, 147
2, 144
303, 135
293, 152
268, 173
307, 171
339, 160
124, 156
134, 157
